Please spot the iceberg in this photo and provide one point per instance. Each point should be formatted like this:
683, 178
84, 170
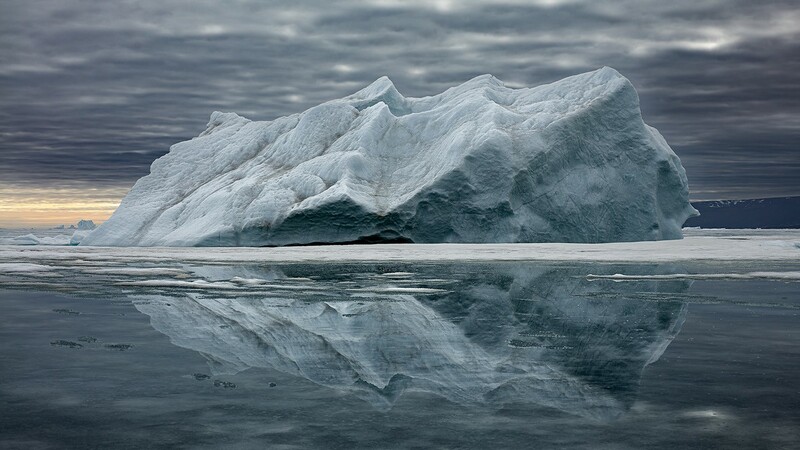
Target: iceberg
570, 161
78, 236
48, 236
84, 228
86, 225
32, 239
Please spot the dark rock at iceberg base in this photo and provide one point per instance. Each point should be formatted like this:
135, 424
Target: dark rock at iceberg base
570, 161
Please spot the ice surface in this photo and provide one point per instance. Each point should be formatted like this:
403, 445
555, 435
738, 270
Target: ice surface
61, 239
489, 333
571, 161
32, 239
699, 245
789, 276
22, 268
85, 225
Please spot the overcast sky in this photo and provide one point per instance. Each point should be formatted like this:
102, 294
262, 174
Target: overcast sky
91, 92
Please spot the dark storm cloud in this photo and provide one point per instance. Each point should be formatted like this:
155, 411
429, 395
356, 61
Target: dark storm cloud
92, 92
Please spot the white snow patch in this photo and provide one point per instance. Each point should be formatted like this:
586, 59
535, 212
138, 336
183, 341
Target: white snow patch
23, 267
134, 271
777, 246
194, 284
790, 276
249, 281
399, 290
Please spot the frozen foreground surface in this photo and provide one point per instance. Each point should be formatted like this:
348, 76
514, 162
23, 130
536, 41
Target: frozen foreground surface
570, 161
699, 245
680, 344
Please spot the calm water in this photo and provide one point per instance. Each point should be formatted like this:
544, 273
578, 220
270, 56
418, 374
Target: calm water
398, 356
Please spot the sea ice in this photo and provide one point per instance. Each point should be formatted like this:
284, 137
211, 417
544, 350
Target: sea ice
41, 236
570, 161
700, 245
32, 239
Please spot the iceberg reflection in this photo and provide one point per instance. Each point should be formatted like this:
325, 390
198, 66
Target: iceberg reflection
490, 335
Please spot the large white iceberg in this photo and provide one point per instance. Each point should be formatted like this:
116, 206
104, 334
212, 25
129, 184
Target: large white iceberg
570, 161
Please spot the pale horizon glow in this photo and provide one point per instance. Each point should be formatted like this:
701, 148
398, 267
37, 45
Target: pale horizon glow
50, 207
94, 92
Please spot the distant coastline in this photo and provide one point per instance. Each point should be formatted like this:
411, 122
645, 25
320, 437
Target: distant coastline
776, 212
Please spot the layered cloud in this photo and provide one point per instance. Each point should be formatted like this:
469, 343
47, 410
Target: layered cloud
92, 91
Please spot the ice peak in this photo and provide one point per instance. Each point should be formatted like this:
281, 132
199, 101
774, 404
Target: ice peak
381, 90
383, 82
608, 73
482, 80
603, 75
220, 119
377, 88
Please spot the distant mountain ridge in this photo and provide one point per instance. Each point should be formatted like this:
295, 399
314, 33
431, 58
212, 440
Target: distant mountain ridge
777, 212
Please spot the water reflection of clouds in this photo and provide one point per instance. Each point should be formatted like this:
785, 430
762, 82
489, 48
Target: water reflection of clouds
481, 334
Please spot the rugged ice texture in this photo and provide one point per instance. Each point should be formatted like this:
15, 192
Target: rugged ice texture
571, 161
32, 239
78, 236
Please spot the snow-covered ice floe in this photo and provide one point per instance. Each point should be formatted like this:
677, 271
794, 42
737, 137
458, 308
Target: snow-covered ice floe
789, 276
774, 245
570, 161
32, 239
10, 267
377, 321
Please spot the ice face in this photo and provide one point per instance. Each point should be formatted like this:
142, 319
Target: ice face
571, 161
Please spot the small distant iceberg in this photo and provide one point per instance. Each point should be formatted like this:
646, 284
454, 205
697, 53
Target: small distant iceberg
82, 229
32, 239
86, 225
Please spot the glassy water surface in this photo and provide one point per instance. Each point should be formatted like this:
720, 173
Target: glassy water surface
510, 355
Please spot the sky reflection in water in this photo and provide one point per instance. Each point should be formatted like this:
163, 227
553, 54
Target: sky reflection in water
396, 355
